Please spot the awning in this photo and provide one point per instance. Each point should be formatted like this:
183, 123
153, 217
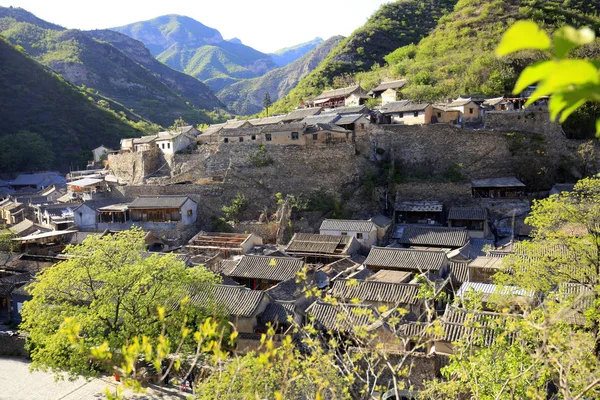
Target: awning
321, 101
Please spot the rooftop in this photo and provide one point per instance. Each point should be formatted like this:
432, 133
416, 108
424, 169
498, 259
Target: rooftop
318, 244
434, 236
295, 126
391, 276
403, 106
345, 225
419, 206
509, 181
348, 110
145, 202
334, 93
321, 118
300, 114
375, 291
268, 268
237, 300
406, 259
467, 213
397, 84
341, 317
349, 119
85, 182
266, 121
219, 239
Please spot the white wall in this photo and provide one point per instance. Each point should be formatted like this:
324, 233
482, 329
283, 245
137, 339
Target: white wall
192, 206
85, 217
369, 238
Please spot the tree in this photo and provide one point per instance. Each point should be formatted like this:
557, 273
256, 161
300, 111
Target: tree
25, 151
570, 82
177, 124
234, 211
110, 291
267, 102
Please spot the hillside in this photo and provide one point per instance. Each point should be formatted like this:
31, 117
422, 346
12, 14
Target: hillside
34, 99
144, 86
246, 97
186, 45
288, 55
394, 25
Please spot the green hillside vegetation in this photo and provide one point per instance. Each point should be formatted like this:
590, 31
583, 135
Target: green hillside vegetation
287, 55
191, 47
84, 61
34, 99
394, 25
246, 97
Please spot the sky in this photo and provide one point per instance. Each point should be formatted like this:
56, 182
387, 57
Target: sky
266, 25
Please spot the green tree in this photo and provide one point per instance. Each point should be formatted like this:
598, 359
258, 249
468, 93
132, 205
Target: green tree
111, 291
234, 211
267, 102
25, 151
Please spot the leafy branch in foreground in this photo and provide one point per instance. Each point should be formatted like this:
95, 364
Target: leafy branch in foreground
570, 82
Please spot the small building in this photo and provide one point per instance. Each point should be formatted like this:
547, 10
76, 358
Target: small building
344, 97
37, 181
408, 260
163, 209
210, 134
469, 110
418, 212
237, 124
383, 225
434, 237
145, 143
11, 212
240, 135
263, 272
173, 141
364, 231
474, 219
226, 244
26, 227
388, 91
443, 114
326, 134
100, 153
87, 189
100, 214
407, 113
482, 269
299, 114
494, 188
357, 123
497, 104
57, 217
323, 249
52, 242
288, 133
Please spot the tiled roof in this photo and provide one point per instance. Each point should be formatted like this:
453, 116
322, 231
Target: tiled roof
348, 110
418, 206
466, 213
495, 101
211, 130
381, 220
488, 289
227, 266
9, 283
245, 131
460, 102
322, 119
384, 292
403, 106
325, 127
237, 300
318, 244
458, 323
268, 268
278, 312
300, 114
406, 259
509, 181
341, 317
389, 85
266, 121
343, 92
434, 236
291, 127
349, 119
287, 290
391, 276
97, 204
42, 178
145, 139
345, 225
21, 227
459, 271
235, 124
144, 202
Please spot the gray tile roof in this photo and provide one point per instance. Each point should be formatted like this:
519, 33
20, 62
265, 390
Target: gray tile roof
341, 317
266, 121
487, 290
277, 313
343, 92
11, 282
406, 259
349, 119
457, 323
467, 213
326, 127
268, 268
97, 204
434, 236
348, 110
345, 225
226, 266
245, 131
145, 139
145, 202
318, 244
459, 271
236, 300
418, 206
287, 290
509, 181
21, 227
403, 106
213, 129
321, 119
389, 85
235, 124
495, 101
300, 114
291, 127
376, 291
460, 102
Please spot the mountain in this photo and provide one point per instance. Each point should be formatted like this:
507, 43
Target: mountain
124, 72
246, 97
394, 25
33, 98
288, 55
186, 45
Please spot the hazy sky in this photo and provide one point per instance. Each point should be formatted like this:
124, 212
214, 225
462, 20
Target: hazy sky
266, 25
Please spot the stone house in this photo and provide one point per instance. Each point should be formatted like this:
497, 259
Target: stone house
474, 219
87, 189
365, 232
237, 124
298, 115
240, 135
408, 260
437, 237
289, 133
173, 141
469, 110
442, 113
210, 134
11, 212
407, 113
37, 181
348, 96
358, 124
388, 91
497, 104
494, 188
56, 217
418, 212
324, 249
100, 153
145, 143
326, 134
262, 272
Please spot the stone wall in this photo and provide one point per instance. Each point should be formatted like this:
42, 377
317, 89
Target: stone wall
136, 166
12, 345
534, 119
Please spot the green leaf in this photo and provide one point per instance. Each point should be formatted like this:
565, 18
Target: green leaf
532, 74
523, 35
567, 38
598, 127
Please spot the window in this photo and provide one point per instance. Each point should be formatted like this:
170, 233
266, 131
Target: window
470, 110
168, 145
362, 126
416, 114
190, 212
315, 136
439, 115
294, 135
253, 137
163, 146
226, 140
344, 233
241, 139
359, 235
268, 137
401, 115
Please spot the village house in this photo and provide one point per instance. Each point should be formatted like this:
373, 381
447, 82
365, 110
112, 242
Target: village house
418, 212
436, 237
227, 244
90, 214
26, 227
408, 260
326, 134
44, 243
469, 110
323, 249
100, 153
8, 284
357, 123
442, 113
173, 141
388, 91
11, 212
474, 219
240, 135
289, 133
145, 143
37, 181
237, 124
383, 225
480, 270
299, 114
178, 210
87, 189
344, 97
497, 104
276, 119
407, 113
262, 272
210, 134
364, 231
495, 188
57, 217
